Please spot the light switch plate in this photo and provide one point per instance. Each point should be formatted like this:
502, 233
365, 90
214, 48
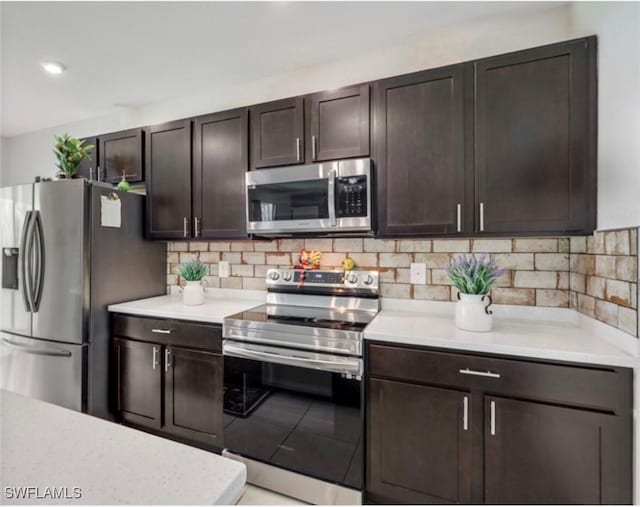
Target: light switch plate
418, 273
224, 269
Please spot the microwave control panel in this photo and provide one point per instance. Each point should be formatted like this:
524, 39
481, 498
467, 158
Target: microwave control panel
351, 196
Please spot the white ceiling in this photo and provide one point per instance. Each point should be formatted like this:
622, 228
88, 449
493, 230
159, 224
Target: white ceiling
129, 54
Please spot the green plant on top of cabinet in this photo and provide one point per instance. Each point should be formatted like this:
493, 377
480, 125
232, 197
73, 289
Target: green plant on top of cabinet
88, 168
122, 153
420, 139
535, 140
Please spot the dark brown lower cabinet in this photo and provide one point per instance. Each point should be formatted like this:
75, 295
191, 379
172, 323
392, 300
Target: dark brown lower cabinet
193, 394
138, 382
168, 378
540, 454
419, 444
444, 427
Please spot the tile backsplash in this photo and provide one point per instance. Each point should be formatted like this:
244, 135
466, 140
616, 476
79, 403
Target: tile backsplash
556, 272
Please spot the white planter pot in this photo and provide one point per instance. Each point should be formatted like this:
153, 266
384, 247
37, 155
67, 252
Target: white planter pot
193, 293
473, 314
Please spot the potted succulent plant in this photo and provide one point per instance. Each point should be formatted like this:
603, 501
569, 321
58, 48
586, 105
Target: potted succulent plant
474, 277
70, 152
193, 272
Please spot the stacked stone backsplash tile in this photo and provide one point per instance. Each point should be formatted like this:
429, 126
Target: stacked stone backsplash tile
592, 274
604, 277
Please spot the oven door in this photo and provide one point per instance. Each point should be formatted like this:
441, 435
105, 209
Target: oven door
292, 199
297, 410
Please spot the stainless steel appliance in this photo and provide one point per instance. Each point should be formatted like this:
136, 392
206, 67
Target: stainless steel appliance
326, 198
60, 269
293, 384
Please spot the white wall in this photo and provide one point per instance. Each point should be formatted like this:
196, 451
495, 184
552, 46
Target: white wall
28, 155
617, 25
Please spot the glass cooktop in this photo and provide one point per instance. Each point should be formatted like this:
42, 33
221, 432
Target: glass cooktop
346, 320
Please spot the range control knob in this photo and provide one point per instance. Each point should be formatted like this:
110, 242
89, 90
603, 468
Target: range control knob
274, 275
368, 280
287, 275
352, 278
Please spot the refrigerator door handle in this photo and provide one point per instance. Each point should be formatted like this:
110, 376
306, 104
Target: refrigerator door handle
38, 237
26, 349
25, 275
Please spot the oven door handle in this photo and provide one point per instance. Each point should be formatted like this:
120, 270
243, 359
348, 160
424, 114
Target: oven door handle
337, 365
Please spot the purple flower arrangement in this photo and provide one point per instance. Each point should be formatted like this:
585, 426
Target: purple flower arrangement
473, 275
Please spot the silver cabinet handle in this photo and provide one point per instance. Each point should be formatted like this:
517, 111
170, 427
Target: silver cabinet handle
481, 217
492, 421
90, 173
98, 174
196, 227
459, 217
298, 149
167, 355
155, 357
477, 373
465, 413
161, 331
185, 227
314, 147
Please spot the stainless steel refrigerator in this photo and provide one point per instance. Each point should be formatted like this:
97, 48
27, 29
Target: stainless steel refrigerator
63, 262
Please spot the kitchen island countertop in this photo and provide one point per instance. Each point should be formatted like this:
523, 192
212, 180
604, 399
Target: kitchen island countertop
46, 446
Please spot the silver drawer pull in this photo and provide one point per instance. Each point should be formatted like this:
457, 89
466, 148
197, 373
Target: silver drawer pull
161, 331
490, 374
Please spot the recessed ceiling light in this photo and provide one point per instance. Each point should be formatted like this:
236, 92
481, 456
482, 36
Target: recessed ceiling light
53, 67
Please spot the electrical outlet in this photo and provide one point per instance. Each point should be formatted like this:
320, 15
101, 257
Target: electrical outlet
224, 269
418, 273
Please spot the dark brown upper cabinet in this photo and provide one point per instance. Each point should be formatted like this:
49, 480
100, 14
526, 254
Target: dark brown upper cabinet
121, 154
419, 143
89, 166
168, 169
220, 164
535, 140
277, 133
338, 124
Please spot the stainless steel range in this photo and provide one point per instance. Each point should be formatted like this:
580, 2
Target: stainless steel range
293, 374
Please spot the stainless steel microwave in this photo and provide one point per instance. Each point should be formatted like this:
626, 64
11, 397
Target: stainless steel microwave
324, 198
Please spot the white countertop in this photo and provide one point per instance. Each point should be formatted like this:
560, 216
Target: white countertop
219, 303
556, 334
44, 445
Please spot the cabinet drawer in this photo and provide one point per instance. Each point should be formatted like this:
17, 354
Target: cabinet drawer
594, 387
169, 332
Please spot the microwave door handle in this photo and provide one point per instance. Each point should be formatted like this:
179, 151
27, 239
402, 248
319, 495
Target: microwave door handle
332, 198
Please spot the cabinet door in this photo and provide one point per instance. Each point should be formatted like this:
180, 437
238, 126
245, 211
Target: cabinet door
138, 382
419, 448
277, 133
168, 161
221, 155
535, 140
89, 166
419, 145
193, 394
338, 124
121, 153
546, 454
